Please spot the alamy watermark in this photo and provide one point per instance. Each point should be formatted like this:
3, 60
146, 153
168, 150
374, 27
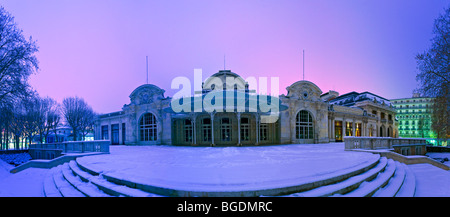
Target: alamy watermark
231, 91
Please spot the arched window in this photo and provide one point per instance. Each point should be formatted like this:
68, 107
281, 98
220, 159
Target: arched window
304, 126
148, 127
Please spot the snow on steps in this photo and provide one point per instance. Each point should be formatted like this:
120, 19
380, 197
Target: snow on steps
106, 186
346, 185
408, 188
367, 189
388, 178
68, 180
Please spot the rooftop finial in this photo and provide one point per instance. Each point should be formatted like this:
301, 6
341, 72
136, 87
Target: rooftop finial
146, 58
303, 64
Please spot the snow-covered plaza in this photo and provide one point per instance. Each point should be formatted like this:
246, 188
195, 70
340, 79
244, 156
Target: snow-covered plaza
222, 168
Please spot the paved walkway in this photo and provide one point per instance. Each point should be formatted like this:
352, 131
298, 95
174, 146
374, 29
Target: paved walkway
431, 181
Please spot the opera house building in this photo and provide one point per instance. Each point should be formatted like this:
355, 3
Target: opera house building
232, 114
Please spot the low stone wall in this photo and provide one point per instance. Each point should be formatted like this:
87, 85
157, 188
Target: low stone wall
77, 146
416, 159
373, 143
43, 151
47, 164
48, 154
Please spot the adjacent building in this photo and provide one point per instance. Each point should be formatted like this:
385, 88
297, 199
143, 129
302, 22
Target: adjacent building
414, 116
304, 115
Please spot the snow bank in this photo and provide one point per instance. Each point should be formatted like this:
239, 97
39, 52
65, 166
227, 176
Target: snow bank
15, 159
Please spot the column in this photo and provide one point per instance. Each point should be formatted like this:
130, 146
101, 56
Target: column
238, 115
212, 127
353, 128
329, 130
333, 134
257, 127
344, 128
193, 117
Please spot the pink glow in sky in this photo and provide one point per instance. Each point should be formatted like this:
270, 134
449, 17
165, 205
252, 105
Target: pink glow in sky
97, 49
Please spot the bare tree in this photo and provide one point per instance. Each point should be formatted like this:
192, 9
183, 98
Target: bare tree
31, 109
79, 115
47, 115
17, 59
434, 75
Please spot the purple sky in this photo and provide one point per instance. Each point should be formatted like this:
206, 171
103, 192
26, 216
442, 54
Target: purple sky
96, 49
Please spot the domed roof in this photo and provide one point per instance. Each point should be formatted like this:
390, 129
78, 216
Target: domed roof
220, 78
305, 90
146, 93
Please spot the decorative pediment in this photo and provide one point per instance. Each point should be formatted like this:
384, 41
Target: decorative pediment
304, 90
146, 94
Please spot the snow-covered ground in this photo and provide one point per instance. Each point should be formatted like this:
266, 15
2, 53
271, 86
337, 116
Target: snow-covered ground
222, 167
225, 168
28, 183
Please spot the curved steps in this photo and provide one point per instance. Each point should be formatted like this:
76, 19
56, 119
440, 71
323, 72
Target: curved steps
381, 178
388, 178
69, 180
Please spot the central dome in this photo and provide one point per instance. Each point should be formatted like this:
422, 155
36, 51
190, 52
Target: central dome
226, 80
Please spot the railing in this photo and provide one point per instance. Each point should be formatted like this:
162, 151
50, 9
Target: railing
352, 142
76, 146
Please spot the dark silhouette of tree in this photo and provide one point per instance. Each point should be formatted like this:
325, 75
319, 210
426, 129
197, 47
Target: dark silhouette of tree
434, 75
17, 59
79, 115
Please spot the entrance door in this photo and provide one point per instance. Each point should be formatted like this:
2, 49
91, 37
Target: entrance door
115, 134
338, 131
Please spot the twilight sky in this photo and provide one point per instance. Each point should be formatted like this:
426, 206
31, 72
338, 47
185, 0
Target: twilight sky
96, 49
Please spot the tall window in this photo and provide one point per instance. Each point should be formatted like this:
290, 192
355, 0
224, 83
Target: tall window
148, 127
245, 128
105, 132
349, 129
206, 129
115, 134
304, 126
263, 133
188, 130
225, 129
358, 129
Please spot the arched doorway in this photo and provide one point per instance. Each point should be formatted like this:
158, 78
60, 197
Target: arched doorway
382, 133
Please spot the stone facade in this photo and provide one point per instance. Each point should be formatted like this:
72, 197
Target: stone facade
305, 115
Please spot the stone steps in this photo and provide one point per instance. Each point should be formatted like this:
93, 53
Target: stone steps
380, 177
69, 180
388, 178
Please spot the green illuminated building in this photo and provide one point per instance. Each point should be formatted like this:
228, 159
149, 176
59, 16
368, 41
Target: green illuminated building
414, 117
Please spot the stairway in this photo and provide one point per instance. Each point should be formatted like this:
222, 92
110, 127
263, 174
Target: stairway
381, 178
388, 178
72, 180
